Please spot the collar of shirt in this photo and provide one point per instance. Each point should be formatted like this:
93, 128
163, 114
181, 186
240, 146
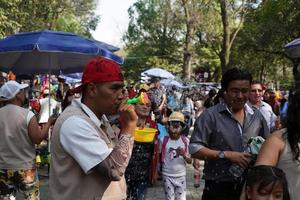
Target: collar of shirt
89, 112
223, 107
253, 106
248, 110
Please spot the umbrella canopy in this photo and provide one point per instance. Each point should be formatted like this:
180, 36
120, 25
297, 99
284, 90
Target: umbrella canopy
71, 78
104, 45
292, 49
171, 82
47, 51
158, 72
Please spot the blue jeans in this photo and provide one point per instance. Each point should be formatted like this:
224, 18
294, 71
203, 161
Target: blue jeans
136, 190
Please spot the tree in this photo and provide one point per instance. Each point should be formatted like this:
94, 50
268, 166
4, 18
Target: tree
9, 15
190, 23
217, 34
192, 19
64, 15
267, 28
234, 11
153, 37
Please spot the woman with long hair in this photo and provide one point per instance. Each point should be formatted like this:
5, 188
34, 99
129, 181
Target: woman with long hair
281, 149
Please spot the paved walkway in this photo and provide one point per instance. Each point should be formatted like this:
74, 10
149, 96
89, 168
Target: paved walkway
157, 193
154, 193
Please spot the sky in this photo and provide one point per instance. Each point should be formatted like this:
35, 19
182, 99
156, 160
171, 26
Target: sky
114, 20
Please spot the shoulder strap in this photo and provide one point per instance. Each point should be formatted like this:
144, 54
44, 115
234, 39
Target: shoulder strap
163, 148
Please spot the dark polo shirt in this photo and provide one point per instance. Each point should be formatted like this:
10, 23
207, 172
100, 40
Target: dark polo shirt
217, 129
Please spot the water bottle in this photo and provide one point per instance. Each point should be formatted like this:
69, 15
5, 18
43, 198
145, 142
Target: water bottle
197, 177
236, 170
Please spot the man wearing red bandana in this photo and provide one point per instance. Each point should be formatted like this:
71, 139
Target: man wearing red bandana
88, 157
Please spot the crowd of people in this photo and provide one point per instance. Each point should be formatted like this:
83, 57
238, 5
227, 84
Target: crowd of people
95, 155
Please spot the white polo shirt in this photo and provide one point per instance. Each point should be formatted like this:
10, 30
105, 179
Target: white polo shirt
82, 141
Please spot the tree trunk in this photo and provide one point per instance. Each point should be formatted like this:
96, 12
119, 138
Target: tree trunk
187, 50
225, 52
262, 72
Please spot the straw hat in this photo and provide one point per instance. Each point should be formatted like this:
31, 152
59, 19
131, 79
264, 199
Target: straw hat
176, 116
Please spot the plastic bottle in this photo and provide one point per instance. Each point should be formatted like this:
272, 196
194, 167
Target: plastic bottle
236, 170
197, 177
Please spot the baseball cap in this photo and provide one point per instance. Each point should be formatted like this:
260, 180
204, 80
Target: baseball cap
10, 89
100, 70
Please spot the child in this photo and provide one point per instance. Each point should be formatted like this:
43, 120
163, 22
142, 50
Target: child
266, 182
174, 156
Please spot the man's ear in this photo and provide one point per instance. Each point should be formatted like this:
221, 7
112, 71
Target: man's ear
92, 89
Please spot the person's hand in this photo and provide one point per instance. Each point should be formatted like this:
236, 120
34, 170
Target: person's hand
240, 158
141, 125
129, 117
196, 163
160, 108
180, 151
52, 119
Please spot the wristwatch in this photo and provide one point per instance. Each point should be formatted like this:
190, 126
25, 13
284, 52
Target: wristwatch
221, 154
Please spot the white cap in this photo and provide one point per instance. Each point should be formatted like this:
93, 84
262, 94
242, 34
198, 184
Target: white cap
10, 89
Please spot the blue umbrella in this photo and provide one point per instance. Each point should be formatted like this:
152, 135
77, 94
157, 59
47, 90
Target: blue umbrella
104, 45
292, 49
47, 51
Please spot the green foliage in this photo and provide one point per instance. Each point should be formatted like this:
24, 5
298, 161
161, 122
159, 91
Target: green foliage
259, 48
153, 38
207, 58
9, 16
63, 15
